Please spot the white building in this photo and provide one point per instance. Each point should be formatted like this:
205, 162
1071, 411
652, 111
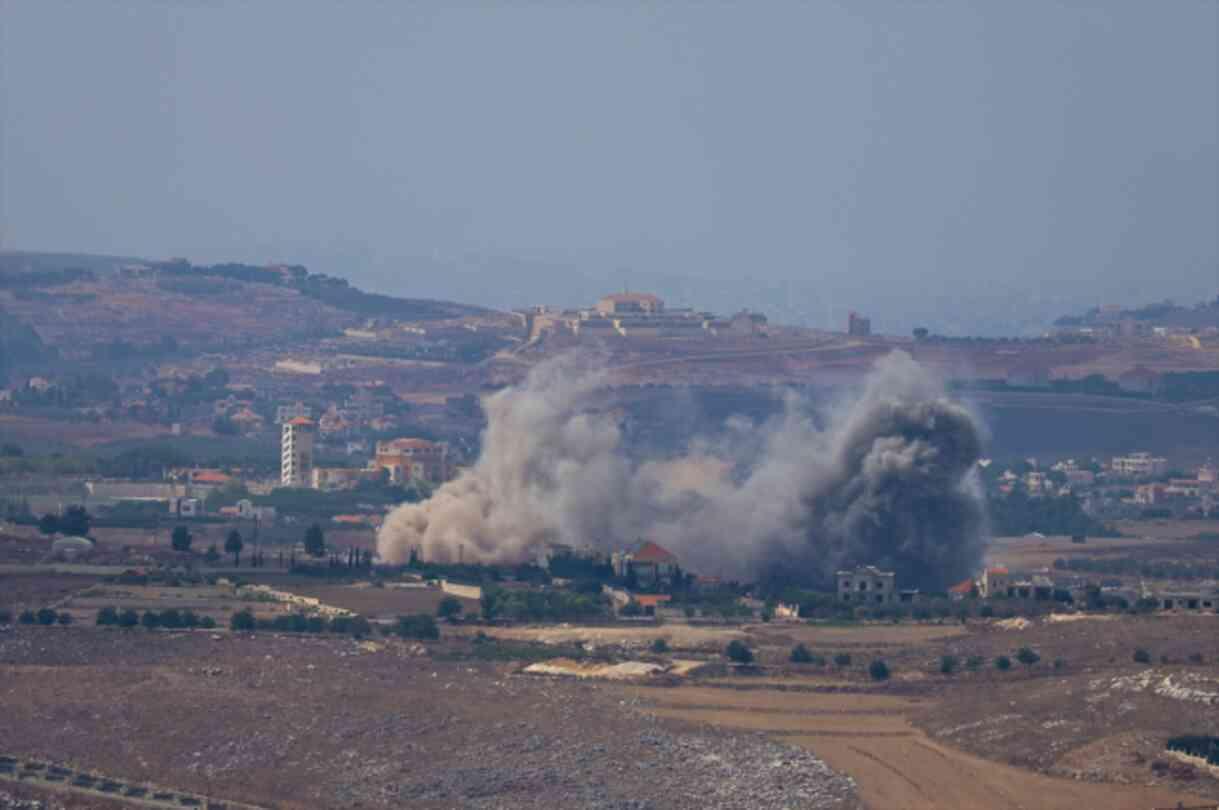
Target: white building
1139, 465
296, 453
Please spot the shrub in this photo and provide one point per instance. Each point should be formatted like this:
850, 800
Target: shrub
1059, 664
449, 608
948, 664
690, 612
1196, 658
1141, 656
360, 627
974, 663
842, 659
46, 616
315, 624
6, 617
171, 618
242, 620
1027, 656
189, 619
660, 646
879, 670
207, 623
64, 618
128, 618
151, 619
738, 652
801, 655
27, 617
419, 626
1003, 663
986, 612
107, 617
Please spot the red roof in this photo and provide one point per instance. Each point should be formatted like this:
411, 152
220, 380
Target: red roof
649, 552
409, 444
300, 420
962, 587
651, 599
998, 570
210, 477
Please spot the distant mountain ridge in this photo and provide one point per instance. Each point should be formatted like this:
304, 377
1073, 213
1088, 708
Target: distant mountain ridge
1165, 313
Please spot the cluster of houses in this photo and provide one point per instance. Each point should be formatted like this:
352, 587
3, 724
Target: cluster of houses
1123, 486
636, 315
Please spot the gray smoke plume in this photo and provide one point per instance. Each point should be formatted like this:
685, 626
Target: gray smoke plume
886, 480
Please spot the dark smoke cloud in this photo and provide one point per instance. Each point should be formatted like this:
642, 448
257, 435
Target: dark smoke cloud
886, 480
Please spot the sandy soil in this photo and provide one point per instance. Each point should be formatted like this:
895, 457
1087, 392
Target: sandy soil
379, 602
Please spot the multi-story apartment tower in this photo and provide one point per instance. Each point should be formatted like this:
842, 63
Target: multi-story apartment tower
296, 453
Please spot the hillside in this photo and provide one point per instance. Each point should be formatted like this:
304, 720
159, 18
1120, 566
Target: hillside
96, 308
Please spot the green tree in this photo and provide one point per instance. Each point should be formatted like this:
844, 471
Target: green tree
48, 524
242, 620
213, 554
27, 617
128, 618
948, 664
660, 646
315, 541
801, 655
64, 618
233, 545
420, 626
449, 608
6, 617
974, 663
1141, 656
75, 521
181, 539
1027, 656
1003, 663
843, 659
151, 619
879, 670
738, 652
46, 616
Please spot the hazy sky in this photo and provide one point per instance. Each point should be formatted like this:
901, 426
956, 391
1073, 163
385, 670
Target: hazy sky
874, 150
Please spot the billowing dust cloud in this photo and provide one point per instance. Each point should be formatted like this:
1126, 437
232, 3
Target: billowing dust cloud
885, 479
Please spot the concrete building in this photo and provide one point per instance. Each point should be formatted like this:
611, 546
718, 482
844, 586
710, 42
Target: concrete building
650, 563
994, 582
297, 410
629, 303
1139, 465
867, 585
296, 453
858, 325
412, 459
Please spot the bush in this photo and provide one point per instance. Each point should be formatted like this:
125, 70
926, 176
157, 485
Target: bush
360, 627
419, 626
1196, 658
449, 608
46, 617
1003, 663
660, 646
690, 612
1027, 656
879, 670
64, 618
129, 618
842, 659
27, 617
242, 620
151, 619
801, 655
738, 652
1059, 664
207, 623
171, 618
974, 663
948, 664
6, 617
107, 617
986, 612
1141, 656
189, 619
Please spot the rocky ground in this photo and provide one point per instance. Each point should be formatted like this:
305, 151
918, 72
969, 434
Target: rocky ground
300, 722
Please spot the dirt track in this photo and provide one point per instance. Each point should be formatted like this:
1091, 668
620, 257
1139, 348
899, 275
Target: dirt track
896, 766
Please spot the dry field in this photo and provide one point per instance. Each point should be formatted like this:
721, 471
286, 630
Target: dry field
378, 602
1144, 539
